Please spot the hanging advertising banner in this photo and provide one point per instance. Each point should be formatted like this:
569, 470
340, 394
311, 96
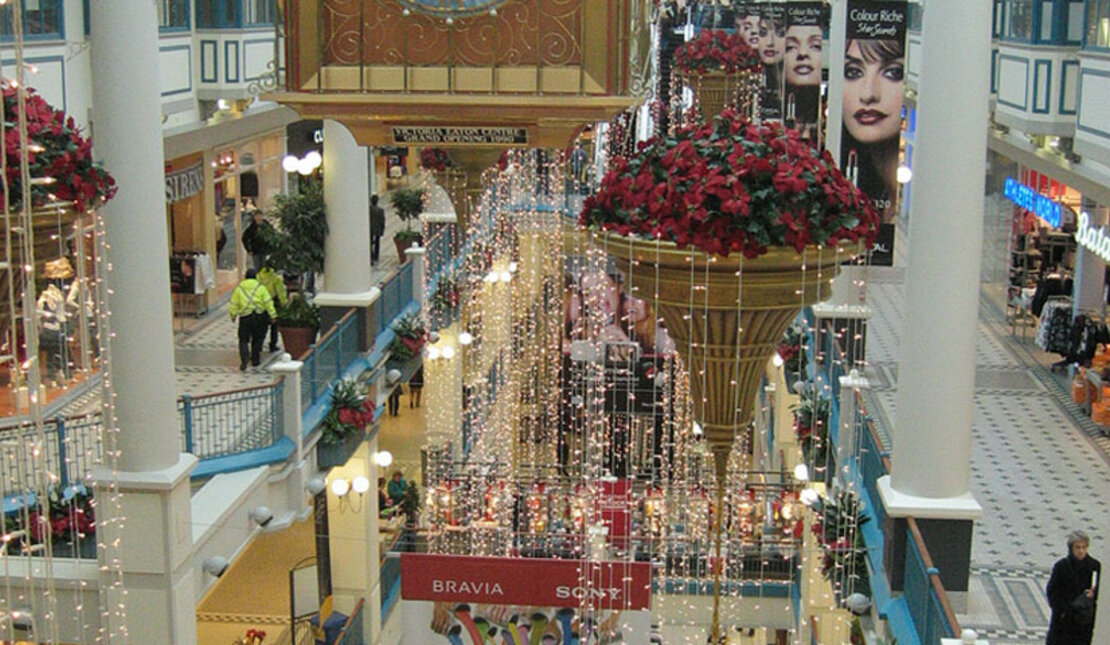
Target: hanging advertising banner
770, 42
454, 599
614, 507
803, 45
874, 69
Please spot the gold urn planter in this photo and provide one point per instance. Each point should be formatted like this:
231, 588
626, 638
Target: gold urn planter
726, 316
718, 90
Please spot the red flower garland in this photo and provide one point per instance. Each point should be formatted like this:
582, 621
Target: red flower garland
716, 50
732, 185
59, 151
434, 159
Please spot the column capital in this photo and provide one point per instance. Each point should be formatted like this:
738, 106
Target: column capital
964, 507
854, 380
363, 299
286, 365
148, 480
414, 251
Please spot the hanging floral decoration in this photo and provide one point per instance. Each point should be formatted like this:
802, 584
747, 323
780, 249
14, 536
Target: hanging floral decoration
434, 159
59, 155
716, 50
732, 185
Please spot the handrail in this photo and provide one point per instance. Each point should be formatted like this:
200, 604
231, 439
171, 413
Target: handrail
211, 395
351, 633
334, 330
934, 578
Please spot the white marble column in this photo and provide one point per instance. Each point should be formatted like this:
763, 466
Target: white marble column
347, 196
936, 385
154, 477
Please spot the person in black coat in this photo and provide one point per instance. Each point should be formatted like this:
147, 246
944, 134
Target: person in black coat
1073, 577
377, 229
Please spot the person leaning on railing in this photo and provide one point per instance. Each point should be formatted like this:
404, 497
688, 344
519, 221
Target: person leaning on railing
253, 306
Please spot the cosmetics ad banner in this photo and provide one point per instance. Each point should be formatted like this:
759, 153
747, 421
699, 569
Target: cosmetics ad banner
769, 39
803, 48
874, 71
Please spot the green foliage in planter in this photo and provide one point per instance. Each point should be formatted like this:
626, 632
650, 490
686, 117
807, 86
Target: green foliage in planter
409, 337
811, 425
297, 242
838, 529
299, 312
792, 352
408, 203
351, 411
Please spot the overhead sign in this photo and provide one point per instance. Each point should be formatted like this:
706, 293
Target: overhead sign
525, 581
1032, 201
1095, 240
460, 135
183, 184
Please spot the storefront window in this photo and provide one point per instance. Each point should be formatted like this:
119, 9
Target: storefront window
1098, 24
173, 15
219, 14
1018, 20
41, 19
258, 12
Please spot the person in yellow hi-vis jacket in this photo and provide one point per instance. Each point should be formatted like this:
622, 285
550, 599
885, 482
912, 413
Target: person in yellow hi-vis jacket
252, 304
275, 284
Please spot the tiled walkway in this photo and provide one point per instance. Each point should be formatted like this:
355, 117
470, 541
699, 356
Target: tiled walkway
1039, 467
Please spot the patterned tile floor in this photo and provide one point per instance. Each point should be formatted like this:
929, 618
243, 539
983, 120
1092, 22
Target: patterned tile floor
1038, 465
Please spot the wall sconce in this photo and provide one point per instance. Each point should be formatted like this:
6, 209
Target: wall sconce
383, 458
341, 487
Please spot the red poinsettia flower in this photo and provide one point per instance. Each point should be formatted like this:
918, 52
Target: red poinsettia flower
714, 50
731, 186
434, 159
57, 151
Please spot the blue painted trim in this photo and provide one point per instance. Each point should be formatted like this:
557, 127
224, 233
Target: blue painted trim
994, 71
1079, 118
391, 598
204, 56
275, 454
1025, 61
188, 49
227, 61
1037, 96
268, 41
1064, 67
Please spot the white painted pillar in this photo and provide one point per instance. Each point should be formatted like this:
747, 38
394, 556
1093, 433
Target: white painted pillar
128, 138
937, 370
127, 122
347, 196
417, 256
293, 426
846, 445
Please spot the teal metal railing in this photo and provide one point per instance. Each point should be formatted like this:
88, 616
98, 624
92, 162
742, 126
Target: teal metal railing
924, 593
396, 295
326, 360
227, 423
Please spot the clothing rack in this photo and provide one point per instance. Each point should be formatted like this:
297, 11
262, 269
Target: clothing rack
191, 275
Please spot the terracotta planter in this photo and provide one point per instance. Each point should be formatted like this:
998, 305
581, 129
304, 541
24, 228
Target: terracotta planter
297, 340
401, 246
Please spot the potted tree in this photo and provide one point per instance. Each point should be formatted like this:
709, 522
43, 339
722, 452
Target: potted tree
296, 243
298, 322
408, 204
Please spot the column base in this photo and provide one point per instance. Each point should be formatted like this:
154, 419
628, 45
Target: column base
946, 526
333, 306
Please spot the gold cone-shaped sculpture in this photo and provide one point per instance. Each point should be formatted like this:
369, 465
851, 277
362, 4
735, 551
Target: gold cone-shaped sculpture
726, 317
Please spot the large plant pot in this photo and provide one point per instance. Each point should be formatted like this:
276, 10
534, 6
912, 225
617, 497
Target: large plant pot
718, 90
726, 317
297, 340
402, 245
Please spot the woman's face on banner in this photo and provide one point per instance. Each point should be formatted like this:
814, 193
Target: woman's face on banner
749, 29
872, 95
770, 42
803, 55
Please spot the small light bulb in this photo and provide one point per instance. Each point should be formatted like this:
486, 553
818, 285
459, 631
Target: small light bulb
491, 276
506, 276
314, 158
465, 338
360, 485
433, 353
448, 352
777, 360
513, 267
289, 163
340, 487
383, 458
801, 473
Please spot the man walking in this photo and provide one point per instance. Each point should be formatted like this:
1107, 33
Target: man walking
377, 229
252, 304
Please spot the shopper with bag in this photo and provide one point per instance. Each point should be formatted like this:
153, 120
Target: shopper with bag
1073, 594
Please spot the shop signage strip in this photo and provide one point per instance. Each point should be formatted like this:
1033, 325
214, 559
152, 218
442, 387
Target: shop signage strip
1032, 201
1095, 240
525, 581
184, 183
460, 135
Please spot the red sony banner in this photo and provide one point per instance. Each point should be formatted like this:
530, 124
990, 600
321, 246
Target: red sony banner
526, 581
